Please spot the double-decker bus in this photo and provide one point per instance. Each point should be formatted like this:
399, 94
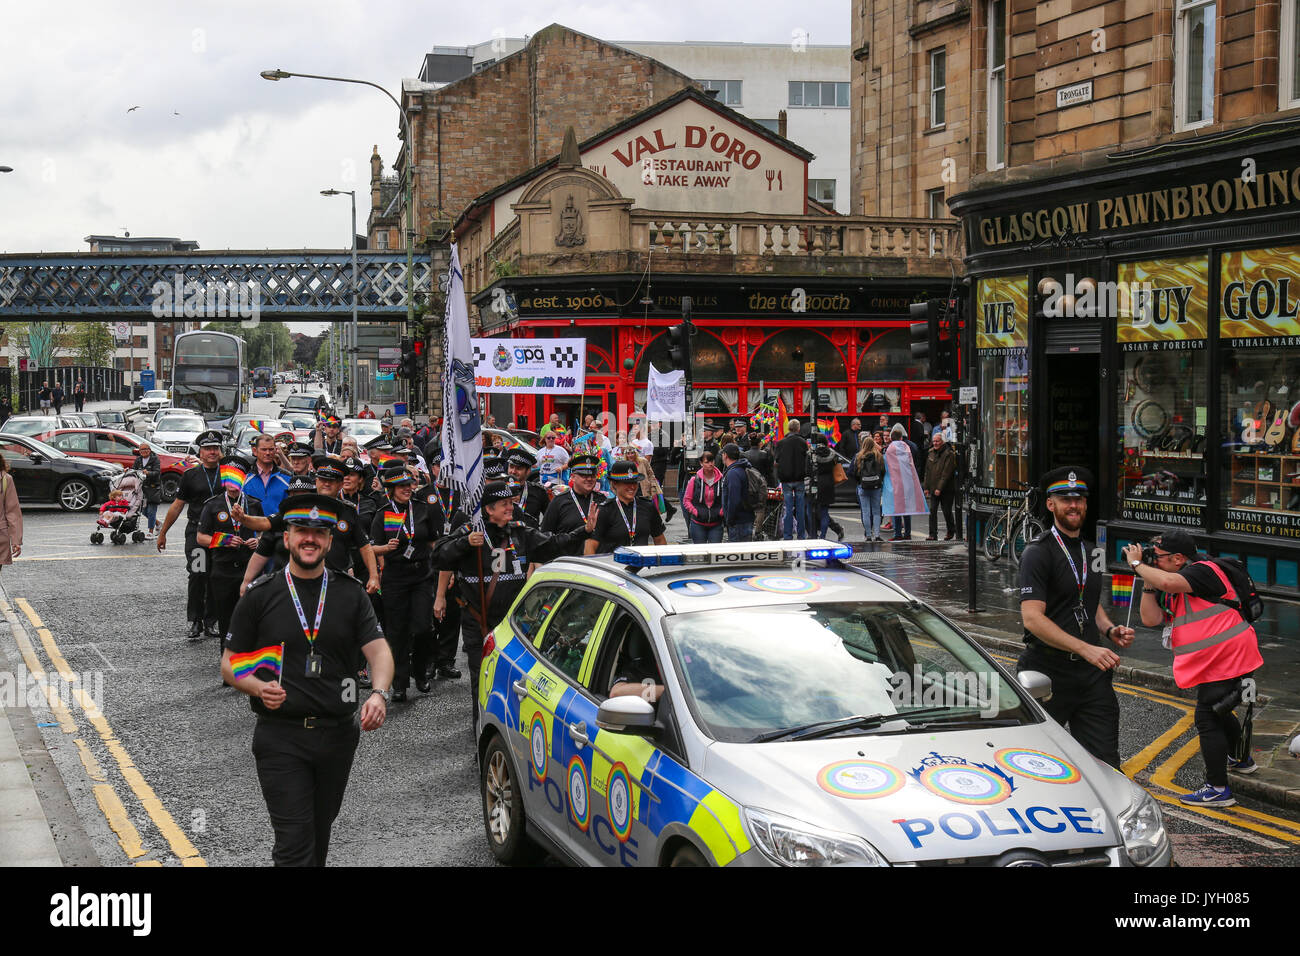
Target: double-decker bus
262, 384
208, 375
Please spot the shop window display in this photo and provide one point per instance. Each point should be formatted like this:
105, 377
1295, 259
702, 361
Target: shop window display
1004, 456
1261, 460
1162, 436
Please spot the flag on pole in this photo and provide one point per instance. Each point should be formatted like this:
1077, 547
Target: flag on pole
1121, 590
782, 416
829, 427
462, 440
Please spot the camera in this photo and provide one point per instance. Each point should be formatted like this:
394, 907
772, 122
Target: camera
1148, 554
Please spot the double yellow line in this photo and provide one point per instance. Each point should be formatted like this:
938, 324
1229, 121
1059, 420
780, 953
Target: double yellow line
110, 804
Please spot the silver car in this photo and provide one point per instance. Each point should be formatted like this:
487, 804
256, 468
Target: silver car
767, 705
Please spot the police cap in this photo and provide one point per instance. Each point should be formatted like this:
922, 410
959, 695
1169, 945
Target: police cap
209, 439
328, 467
1070, 481
623, 471
310, 511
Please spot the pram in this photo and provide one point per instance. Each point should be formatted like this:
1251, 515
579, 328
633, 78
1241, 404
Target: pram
122, 524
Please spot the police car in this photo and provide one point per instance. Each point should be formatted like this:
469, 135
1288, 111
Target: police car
766, 704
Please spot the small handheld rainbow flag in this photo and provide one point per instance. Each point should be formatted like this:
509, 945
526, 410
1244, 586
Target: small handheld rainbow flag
245, 664
830, 427
382, 459
1121, 590
258, 423
393, 520
232, 476
222, 539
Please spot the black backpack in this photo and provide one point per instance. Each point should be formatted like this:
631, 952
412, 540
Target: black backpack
871, 473
1250, 606
755, 489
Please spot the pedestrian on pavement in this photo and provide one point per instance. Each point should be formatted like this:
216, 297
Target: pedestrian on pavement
147, 462
869, 473
45, 396
948, 426
737, 510
366, 412
307, 732
848, 444
11, 517
56, 397
198, 485
1214, 647
821, 483
629, 519
79, 395
403, 531
903, 495
228, 542
6, 409
941, 484
643, 444
791, 469
1060, 607
491, 566
702, 502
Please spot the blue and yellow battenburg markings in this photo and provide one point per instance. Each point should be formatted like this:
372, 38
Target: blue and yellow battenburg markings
639, 786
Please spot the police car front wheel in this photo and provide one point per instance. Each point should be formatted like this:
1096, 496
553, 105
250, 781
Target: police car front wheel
503, 808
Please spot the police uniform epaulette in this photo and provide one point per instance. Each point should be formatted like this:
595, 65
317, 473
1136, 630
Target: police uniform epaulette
262, 579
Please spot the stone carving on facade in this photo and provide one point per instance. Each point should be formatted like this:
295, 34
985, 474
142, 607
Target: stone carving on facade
571, 229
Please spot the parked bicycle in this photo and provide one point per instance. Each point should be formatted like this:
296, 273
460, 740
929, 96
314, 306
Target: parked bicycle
1015, 528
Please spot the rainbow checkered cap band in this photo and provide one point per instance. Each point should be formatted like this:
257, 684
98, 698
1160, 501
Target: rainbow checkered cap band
312, 511
1070, 484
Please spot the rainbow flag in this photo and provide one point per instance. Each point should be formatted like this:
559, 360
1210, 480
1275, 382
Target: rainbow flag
245, 664
782, 416
258, 423
393, 520
222, 539
382, 459
829, 427
232, 477
1121, 590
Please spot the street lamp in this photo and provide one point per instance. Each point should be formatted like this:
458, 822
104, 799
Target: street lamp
408, 176
352, 366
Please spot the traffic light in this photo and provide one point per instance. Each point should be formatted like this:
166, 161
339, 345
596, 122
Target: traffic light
934, 335
679, 340
408, 367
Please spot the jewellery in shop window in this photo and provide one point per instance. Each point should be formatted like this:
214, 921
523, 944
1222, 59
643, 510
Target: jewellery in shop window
1149, 419
1275, 436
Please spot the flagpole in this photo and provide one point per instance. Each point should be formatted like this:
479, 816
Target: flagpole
1133, 599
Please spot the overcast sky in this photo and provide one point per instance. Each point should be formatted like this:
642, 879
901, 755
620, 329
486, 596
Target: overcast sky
218, 155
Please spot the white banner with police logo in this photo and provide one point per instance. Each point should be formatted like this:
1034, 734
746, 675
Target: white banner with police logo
531, 366
665, 399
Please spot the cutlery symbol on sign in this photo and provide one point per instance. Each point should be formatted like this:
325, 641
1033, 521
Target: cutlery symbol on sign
770, 176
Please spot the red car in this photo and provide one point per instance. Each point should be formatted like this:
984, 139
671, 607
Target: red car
106, 444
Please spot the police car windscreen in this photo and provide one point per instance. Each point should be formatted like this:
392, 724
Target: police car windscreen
751, 672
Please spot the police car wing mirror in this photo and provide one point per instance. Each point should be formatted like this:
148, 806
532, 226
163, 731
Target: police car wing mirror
626, 715
1038, 684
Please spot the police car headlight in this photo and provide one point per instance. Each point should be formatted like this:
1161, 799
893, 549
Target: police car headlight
791, 842
1143, 829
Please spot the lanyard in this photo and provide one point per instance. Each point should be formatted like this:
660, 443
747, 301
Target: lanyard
408, 522
240, 503
212, 484
1081, 580
631, 528
314, 632
582, 512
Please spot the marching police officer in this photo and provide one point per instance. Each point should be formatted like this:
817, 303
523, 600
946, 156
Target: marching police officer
492, 566
349, 543
568, 509
307, 733
629, 519
517, 489
443, 503
197, 486
229, 541
403, 530
1060, 606
533, 499
300, 454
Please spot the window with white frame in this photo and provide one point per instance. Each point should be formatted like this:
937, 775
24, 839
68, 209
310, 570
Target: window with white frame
935, 208
938, 85
996, 43
822, 190
381, 239
819, 95
1289, 56
728, 90
1194, 63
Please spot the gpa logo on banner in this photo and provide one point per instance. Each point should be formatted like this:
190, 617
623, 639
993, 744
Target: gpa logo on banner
76, 909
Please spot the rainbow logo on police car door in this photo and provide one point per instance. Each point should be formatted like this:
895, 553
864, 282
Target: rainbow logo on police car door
579, 802
1036, 765
618, 802
537, 746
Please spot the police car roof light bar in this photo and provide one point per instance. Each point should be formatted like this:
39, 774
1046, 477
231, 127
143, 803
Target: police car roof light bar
749, 552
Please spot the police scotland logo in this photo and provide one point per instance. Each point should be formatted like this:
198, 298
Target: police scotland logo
1037, 765
537, 747
618, 801
343, 526
223, 516
579, 803
859, 779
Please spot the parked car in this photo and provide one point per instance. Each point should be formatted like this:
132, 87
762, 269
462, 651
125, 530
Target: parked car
119, 448
89, 419
36, 424
311, 404
113, 419
177, 431
46, 475
155, 399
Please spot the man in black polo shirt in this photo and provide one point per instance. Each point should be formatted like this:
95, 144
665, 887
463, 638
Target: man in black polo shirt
533, 498
307, 732
228, 538
197, 486
627, 520
1060, 606
568, 509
